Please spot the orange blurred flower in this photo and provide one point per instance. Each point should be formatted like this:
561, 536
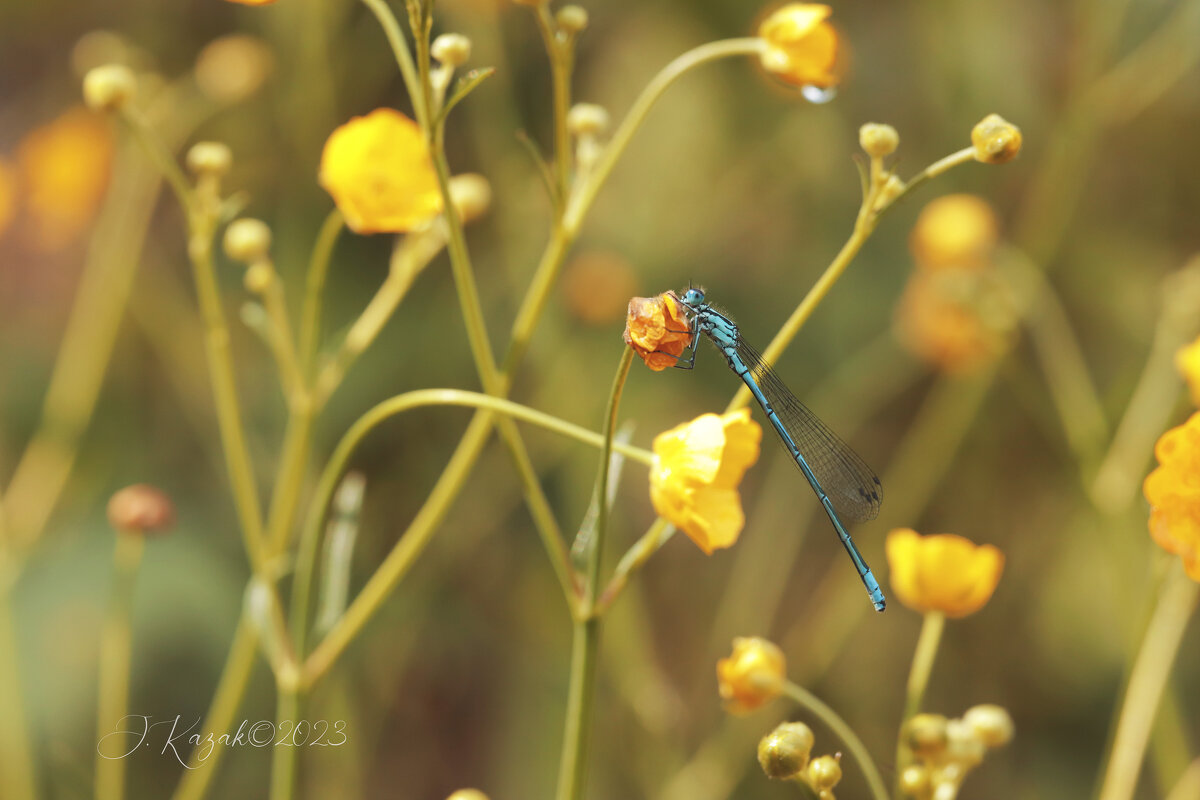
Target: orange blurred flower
957, 321
64, 167
252, 2
942, 572
696, 472
954, 231
596, 286
1187, 361
752, 675
8, 194
1173, 491
657, 329
378, 170
802, 47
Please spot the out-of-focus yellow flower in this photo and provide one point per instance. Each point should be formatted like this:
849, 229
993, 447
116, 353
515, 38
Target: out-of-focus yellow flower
943, 572
64, 168
232, 68
1173, 491
752, 676
996, 140
657, 329
696, 471
1187, 361
802, 47
957, 321
8, 194
596, 286
378, 170
253, 2
954, 231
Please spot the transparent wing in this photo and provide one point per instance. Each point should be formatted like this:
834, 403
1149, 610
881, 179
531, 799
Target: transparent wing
852, 486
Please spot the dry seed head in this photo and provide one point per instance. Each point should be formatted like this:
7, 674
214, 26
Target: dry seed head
109, 88
247, 240
451, 49
142, 509
996, 140
587, 119
783, 753
571, 20
878, 140
209, 158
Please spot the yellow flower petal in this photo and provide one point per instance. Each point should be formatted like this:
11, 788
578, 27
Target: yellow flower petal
697, 469
752, 675
1187, 361
657, 330
1173, 491
378, 170
801, 46
942, 572
954, 231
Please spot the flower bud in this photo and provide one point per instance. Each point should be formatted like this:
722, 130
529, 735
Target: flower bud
996, 140
992, 724
914, 781
468, 794
963, 746
471, 194
258, 277
141, 508
878, 140
571, 20
451, 49
108, 88
752, 676
890, 190
247, 240
825, 772
925, 735
587, 119
783, 753
209, 158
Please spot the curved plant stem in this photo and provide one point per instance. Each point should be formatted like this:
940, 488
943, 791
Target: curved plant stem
1151, 669
314, 290
838, 726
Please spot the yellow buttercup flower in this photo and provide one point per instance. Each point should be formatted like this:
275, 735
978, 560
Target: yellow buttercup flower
8, 194
801, 46
657, 329
943, 572
752, 675
1187, 361
1173, 492
696, 472
954, 231
379, 172
64, 168
958, 321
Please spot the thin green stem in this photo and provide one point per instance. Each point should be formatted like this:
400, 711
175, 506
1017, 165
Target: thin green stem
585, 646
414, 540
314, 290
282, 344
559, 53
283, 754
1176, 603
918, 679
115, 657
838, 726
403, 56
18, 770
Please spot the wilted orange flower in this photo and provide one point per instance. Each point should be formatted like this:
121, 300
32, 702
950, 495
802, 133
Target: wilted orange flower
64, 167
956, 320
657, 330
378, 170
752, 676
954, 231
8, 194
1187, 361
1173, 491
942, 572
696, 472
802, 47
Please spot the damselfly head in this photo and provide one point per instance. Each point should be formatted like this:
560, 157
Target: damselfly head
693, 297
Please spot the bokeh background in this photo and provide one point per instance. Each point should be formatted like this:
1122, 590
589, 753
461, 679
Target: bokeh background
734, 183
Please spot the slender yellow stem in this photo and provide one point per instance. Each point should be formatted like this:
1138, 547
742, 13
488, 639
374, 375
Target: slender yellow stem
314, 290
659, 532
239, 666
403, 56
18, 770
115, 657
918, 679
414, 540
283, 756
585, 646
1151, 669
835, 723
560, 55
1188, 786
282, 343
289, 480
